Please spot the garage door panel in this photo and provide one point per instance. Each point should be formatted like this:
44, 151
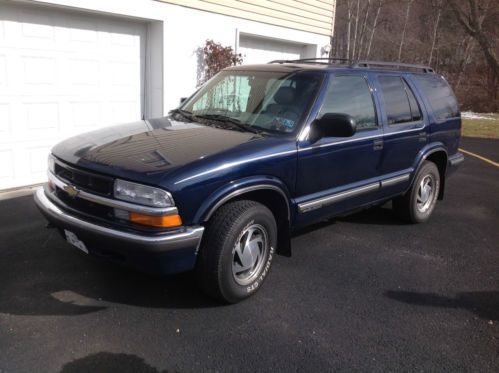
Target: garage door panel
4, 119
3, 71
262, 50
6, 165
85, 114
62, 73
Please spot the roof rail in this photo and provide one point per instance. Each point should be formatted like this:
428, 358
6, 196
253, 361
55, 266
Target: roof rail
392, 65
322, 61
361, 64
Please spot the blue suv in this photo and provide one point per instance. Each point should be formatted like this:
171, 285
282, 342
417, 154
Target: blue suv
219, 184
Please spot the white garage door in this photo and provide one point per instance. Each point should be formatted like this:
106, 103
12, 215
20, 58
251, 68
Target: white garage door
62, 73
262, 50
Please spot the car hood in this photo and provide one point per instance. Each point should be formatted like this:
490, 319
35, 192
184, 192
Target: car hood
152, 146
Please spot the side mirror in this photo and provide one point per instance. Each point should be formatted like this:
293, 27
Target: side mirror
335, 125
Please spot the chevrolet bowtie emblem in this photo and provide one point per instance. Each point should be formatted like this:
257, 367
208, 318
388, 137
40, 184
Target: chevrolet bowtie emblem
71, 191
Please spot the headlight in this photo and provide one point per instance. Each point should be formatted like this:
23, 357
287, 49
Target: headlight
142, 194
51, 163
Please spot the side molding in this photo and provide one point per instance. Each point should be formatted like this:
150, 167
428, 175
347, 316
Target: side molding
337, 197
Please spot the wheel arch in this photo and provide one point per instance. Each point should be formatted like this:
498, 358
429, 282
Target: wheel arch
270, 192
438, 155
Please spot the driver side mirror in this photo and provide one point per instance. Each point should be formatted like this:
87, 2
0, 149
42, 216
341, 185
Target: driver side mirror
335, 125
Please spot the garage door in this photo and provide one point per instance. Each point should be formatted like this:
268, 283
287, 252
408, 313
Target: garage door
262, 50
62, 73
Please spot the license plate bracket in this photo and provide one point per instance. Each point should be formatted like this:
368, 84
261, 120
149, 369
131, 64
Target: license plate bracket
75, 241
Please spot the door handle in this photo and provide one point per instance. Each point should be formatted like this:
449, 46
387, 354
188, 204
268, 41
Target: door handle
378, 145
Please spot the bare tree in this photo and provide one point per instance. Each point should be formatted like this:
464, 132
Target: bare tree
373, 29
402, 40
356, 29
435, 29
471, 19
349, 26
363, 28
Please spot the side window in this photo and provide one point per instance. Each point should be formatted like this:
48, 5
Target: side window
400, 104
413, 103
350, 94
440, 95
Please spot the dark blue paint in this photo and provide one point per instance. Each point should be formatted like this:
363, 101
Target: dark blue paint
200, 165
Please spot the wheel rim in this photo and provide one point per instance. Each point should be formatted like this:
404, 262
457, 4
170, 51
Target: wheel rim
249, 253
426, 192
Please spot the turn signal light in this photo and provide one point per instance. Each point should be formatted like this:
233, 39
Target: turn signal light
166, 221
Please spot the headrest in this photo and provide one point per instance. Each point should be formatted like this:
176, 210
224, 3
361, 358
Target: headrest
285, 96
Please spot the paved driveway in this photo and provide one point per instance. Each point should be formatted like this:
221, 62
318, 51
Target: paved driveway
360, 293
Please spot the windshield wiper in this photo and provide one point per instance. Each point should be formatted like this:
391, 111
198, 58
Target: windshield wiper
225, 119
186, 114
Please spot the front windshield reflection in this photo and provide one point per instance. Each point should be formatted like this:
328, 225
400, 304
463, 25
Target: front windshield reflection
270, 101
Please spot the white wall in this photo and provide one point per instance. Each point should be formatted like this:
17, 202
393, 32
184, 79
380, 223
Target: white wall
175, 33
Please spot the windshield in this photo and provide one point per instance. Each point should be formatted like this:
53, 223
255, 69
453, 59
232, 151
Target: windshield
256, 100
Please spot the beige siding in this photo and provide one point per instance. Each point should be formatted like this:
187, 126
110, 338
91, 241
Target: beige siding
306, 15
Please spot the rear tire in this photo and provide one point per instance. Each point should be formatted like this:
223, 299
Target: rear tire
237, 251
417, 205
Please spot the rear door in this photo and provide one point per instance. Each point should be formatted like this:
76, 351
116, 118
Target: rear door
405, 132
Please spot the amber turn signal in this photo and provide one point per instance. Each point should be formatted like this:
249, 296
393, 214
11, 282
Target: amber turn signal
166, 221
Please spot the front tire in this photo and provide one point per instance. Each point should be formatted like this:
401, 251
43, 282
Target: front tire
237, 251
417, 205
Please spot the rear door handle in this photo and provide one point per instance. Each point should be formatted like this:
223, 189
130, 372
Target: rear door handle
378, 144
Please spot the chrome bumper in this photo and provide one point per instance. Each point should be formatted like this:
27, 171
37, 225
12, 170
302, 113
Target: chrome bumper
189, 239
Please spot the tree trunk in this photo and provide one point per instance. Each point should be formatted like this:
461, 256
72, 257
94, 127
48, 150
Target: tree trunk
472, 25
467, 58
355, 31
363, 29
349, 27
435, 31
402, 40
373, 30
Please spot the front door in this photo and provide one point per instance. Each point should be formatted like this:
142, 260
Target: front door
336, 174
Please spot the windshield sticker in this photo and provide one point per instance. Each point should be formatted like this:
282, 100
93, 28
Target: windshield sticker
283, 123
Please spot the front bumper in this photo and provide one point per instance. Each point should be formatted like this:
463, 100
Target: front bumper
159, 254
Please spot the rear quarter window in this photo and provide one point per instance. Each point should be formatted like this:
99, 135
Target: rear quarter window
440, 96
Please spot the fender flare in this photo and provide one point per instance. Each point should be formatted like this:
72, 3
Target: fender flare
431, 149
238, 188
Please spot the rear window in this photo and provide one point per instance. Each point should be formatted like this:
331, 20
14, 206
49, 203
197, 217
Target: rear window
400, 104
440, 95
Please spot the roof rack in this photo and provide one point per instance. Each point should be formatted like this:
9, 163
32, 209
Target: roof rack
392, 65
361, 64
322, 61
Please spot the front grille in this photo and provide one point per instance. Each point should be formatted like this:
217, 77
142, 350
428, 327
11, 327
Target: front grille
86, 180
82, 205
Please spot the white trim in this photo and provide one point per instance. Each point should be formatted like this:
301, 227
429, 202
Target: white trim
233, 164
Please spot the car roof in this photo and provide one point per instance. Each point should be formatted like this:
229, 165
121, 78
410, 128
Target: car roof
333, 64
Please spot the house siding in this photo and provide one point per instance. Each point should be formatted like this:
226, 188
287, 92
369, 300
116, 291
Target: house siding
316, 16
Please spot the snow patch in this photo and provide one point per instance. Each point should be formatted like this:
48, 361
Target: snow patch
472, 115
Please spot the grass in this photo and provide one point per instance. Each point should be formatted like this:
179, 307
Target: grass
487, 126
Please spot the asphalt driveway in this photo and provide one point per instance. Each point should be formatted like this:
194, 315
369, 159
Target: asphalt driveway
362, 293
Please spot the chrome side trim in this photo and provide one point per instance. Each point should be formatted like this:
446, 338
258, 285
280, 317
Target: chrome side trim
241, 191
191, 233
324, 201
360, 139
395, 180
112, 202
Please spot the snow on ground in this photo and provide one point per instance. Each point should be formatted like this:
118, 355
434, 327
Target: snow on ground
472, 115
